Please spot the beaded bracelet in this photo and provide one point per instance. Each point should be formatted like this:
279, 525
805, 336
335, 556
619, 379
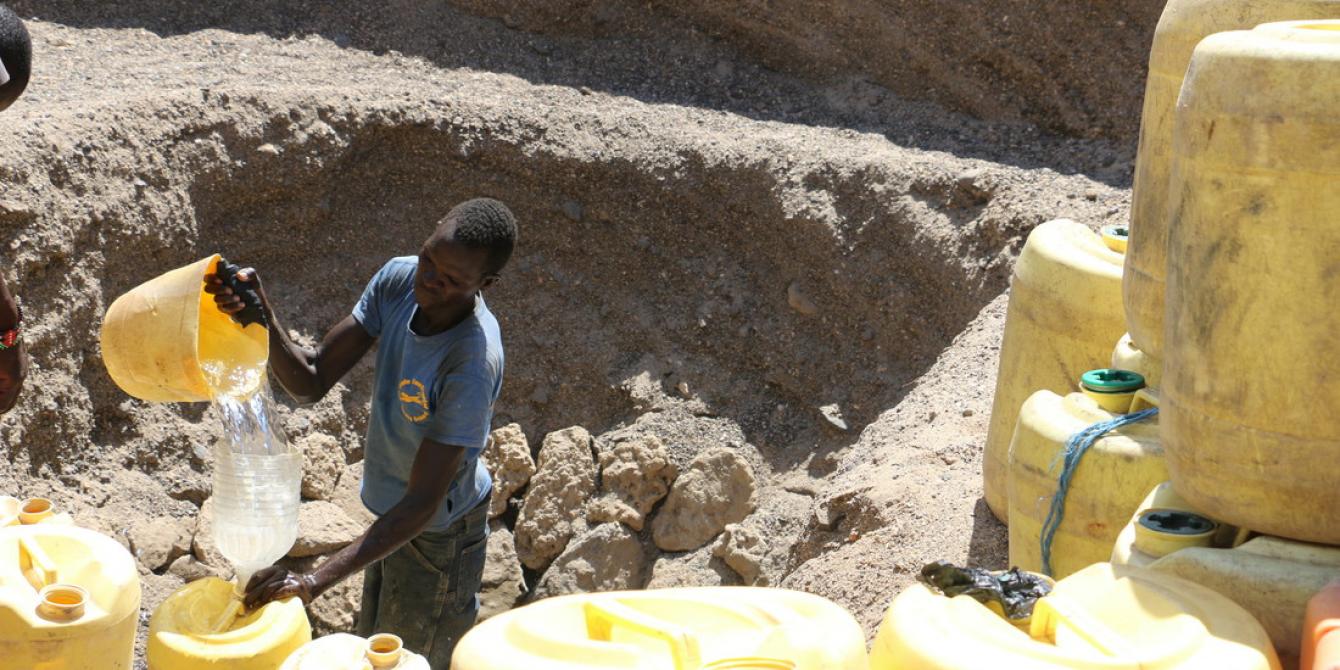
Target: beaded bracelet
11, 336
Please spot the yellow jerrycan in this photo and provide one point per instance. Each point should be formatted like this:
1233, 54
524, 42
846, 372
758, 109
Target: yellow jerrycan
69, 599
1182, 26
342, 651
1103, 617
1111, 479
203, 626
1127, 356
1270, 577
1251, 378
1063, 316
166, 341
15, 512
742, 628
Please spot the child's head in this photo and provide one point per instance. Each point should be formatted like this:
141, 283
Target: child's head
16, 55
465, 253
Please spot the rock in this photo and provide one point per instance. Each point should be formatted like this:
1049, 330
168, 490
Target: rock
799, 301
555, 506
833, 415
715, 490
690, 569
322, 528
159, 542
346, 495
975, 184
634, 476
609, 558
507, 457
322, 465
336, 611
503, 583
189, 569
573, 210
743, 550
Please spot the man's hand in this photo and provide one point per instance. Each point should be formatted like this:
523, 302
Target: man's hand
276, 583
229, 302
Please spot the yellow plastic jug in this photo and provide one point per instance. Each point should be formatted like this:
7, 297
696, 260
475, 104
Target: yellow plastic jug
160, 338
15, 512
350, 652
1251, 380
69, 599
1064, 314
1270, 577
202, 625
1184, 24
1127, 356
678, 629
1111, 480
1103, 617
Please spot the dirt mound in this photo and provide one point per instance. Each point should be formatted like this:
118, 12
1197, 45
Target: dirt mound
697, 276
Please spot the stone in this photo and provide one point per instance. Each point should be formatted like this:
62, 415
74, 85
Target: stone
715, 490
555, 506
508, 460
347, 494
609, 558
504, 583
690, 569
743, 550
336, 611
634, 476
322, 465
795, 296
189, 569
156, 543
833, 415
323, 528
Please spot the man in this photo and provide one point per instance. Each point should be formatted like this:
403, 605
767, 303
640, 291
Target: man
16, 53
439, 370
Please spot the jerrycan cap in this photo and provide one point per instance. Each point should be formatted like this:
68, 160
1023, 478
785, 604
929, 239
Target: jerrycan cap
1111, 380
61, 603
384, 650
1176, 522
1116, 237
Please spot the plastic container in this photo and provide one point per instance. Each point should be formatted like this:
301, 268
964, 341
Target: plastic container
1127, 356
1064, 314
1183, 25
69, 598
1103, 617
669, 629
1321, 630
1112, 479
202, 626
160, 337
1251, 380
256, 499
1270, 577
15, 512
349, 652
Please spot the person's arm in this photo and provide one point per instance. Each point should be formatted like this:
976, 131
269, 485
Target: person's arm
14, 360
434, 468
307, 374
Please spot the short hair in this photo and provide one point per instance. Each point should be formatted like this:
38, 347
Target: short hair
483, 223
16, 54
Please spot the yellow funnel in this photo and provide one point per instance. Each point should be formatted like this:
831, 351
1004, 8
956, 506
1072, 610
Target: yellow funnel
160, 338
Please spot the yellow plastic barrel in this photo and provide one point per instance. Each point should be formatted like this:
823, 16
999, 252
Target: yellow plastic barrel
670, 629
1103, 617
203, 626
157, 336
1270, 577
1251, 377
350, 652
69, 598
1064, 314
1183, 25
1112, 479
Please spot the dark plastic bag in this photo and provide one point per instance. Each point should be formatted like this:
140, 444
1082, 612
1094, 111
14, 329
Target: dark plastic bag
1014, 590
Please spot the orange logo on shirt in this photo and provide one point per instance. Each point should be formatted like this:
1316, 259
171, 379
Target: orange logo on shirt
413, 400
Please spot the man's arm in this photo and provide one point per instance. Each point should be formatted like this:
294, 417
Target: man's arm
14, 360
435, 466
307, 374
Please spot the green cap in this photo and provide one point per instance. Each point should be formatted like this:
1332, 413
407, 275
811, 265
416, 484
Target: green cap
1109, 380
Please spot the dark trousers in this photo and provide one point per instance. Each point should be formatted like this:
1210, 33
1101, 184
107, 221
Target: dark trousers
427, 591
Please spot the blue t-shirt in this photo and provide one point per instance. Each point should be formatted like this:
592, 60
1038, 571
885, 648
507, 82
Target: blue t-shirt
440, 387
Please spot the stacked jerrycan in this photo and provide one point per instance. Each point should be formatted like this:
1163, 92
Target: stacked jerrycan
342, 651
1110, 480
69, 598
1064, 314
1103, 617
166, 341
15, 512
711, 628
1182, 26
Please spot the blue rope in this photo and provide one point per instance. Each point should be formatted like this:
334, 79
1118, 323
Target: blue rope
1075, 448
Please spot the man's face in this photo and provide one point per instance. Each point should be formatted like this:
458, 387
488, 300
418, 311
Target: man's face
449, 273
